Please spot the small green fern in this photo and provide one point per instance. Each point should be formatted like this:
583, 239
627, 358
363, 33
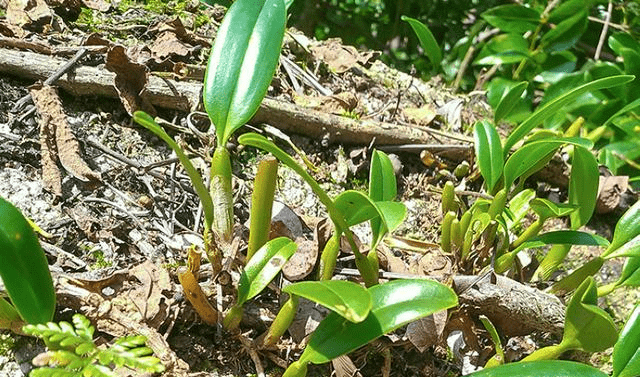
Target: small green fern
72, 352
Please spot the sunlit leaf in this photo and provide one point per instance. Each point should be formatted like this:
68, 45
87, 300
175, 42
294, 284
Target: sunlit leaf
626, 352
427, 41
512, 18
544, 368
488, 153
350, 300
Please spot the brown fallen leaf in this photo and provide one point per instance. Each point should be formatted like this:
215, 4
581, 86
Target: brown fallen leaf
341, 58
130, 81
303, 261
428, 331
149, 297
28, 13
100, 5
58, 142
609, 193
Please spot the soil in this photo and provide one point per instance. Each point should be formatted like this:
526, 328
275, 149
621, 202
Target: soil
129, 217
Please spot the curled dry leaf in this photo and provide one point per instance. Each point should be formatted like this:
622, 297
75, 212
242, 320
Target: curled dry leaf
609, 193
130, 81
28, 13
341, 58
58, 142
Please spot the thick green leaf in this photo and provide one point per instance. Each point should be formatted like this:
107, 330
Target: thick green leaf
9, 316
263, 267
547, 209
566, 33
382, 178
567, 9
504, 49
567, 237
488, 153
583, 185
427, 41
627, 228
512, 18
552, 107
356, 207
394, 304
621, 40
382, 188
577, 277
518, 207
393, 213
350, 300
628, 249
23, 268
630, 275
509, 101
587, 326
147, 122
243, 59
529, 154
626, 352
544, 368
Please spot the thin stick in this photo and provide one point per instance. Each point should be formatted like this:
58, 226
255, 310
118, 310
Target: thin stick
605, 29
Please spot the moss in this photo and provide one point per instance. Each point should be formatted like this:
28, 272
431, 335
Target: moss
7, 342
100, 261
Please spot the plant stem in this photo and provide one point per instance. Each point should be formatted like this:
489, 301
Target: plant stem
283, 320
232, 319
296, 369
221, 193
264, 190
547, 353
531, 231
329, 257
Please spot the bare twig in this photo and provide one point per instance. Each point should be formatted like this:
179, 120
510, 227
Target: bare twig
605, 29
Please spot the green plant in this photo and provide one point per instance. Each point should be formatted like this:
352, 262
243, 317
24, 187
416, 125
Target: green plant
24, 272
72, 351
597, 333
394, 304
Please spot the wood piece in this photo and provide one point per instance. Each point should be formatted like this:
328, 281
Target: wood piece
185, 96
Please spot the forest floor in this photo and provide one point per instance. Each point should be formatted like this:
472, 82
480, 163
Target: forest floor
121, 229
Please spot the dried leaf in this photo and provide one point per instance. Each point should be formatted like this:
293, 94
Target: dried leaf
67, 148
302, 263
427, 331
130, 81
28, 13
341, 58
609, 191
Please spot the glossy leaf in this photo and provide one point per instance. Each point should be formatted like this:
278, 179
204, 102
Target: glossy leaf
549, 109
547, 209
567, 237
24, 269
488, 153
587, 326
394, 304
529, 154
427, 41
577, 277
583, 185
243, 59
504, 49
394, 213
509, 101
356, 207
265, 264
627, 228
518, 207
621, 40
630, 275
567, 9
566, 33
512, 18
626, 352
147, 122
629, 249
543, 368
382, 188
350, 300
382, 178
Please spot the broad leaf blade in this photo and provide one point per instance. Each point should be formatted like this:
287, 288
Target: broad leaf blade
586, 325
24, 269
393, 213
567, 237
627, 228
544, 368
356, 207
488, 153
243, 59
566, 33
394, 304
552, 107
547, 209
427, 41
583, 185
509, 101
350, 300
382, 178
529, 154
263, 267
512, 18
626, 352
